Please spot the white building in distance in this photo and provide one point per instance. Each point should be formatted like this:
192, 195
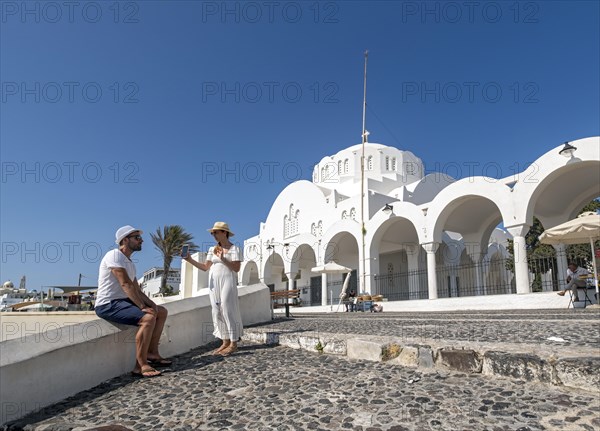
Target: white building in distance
150, 281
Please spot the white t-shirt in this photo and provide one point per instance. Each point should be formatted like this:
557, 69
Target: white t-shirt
578, 273
109, 287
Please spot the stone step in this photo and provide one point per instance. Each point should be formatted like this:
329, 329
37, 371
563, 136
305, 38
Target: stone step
574, 368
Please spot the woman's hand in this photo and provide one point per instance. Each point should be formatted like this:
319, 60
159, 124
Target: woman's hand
218, 251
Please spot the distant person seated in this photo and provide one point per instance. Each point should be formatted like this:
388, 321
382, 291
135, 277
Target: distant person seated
376, 308
352, 298
576, 278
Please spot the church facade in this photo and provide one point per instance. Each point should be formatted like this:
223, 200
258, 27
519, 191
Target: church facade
413, 235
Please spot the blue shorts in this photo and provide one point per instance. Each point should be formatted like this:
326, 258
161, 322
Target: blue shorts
120, 311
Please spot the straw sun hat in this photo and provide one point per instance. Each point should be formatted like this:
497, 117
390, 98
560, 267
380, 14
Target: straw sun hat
220, 225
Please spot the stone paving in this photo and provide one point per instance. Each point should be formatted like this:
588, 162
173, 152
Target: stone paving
264, 387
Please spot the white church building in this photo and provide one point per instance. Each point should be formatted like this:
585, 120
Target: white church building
424, 236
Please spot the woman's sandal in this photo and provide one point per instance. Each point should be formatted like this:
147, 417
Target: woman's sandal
220, 349
228, 351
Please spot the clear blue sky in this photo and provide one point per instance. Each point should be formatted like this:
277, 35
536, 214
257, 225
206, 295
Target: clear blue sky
153, 112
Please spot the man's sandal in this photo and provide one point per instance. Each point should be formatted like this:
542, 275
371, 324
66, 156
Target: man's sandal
146, 371
160, 362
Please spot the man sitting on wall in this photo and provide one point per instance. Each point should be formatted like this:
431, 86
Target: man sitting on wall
120, 299
576, 278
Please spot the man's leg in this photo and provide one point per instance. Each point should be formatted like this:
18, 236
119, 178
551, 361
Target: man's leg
143, 339
161, 318
577, 284
125, 312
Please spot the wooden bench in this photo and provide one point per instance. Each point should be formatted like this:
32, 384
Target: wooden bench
285, 296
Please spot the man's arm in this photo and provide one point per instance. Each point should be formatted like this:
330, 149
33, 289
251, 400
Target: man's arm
147, 299
132, 289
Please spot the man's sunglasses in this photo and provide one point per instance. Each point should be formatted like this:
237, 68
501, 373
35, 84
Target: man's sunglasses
138, 237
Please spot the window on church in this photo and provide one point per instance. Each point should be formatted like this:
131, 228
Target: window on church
370, 163
393, 163
353, 213
290, 222
346, 166
387, 163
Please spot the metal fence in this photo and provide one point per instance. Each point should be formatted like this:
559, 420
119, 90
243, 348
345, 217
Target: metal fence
402, 286
312, 294
495, 277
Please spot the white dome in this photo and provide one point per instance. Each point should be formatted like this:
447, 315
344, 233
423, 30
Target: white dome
8, 285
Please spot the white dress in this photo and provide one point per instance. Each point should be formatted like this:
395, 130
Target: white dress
222, 284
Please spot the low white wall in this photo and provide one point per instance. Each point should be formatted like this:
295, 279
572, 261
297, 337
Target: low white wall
39, 369
18, 324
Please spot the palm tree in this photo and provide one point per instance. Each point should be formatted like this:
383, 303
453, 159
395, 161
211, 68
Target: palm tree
169, 241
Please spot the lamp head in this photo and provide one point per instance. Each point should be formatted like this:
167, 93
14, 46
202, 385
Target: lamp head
568, 150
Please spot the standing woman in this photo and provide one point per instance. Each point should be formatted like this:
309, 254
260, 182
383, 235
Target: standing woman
223, 262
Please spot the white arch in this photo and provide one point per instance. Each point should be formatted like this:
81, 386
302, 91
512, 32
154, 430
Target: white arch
488, 195
249, 272
340, 227
554, 175
400, 210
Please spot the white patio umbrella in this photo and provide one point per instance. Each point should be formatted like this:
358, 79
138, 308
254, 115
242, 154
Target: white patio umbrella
332, 267
584, 228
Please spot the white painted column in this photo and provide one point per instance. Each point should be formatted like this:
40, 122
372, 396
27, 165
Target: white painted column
561, 263
291, 284
473, 248
478, 260
412, 258
324, 292
431, 248
520, 255
186, 287
371, 267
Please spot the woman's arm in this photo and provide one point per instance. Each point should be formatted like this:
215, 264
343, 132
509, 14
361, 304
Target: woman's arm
202, 266
232, 265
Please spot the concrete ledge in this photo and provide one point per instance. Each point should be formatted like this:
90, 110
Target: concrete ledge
518, 366
579, 372
39, 369
473, 358
467, 361
364, 349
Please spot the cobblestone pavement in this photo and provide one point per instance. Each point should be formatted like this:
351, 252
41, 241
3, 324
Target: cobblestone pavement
277, 388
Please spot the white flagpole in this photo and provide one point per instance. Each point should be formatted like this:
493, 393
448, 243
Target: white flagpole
362, 175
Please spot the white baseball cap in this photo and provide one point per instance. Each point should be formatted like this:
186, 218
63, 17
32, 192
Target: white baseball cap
124, 231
